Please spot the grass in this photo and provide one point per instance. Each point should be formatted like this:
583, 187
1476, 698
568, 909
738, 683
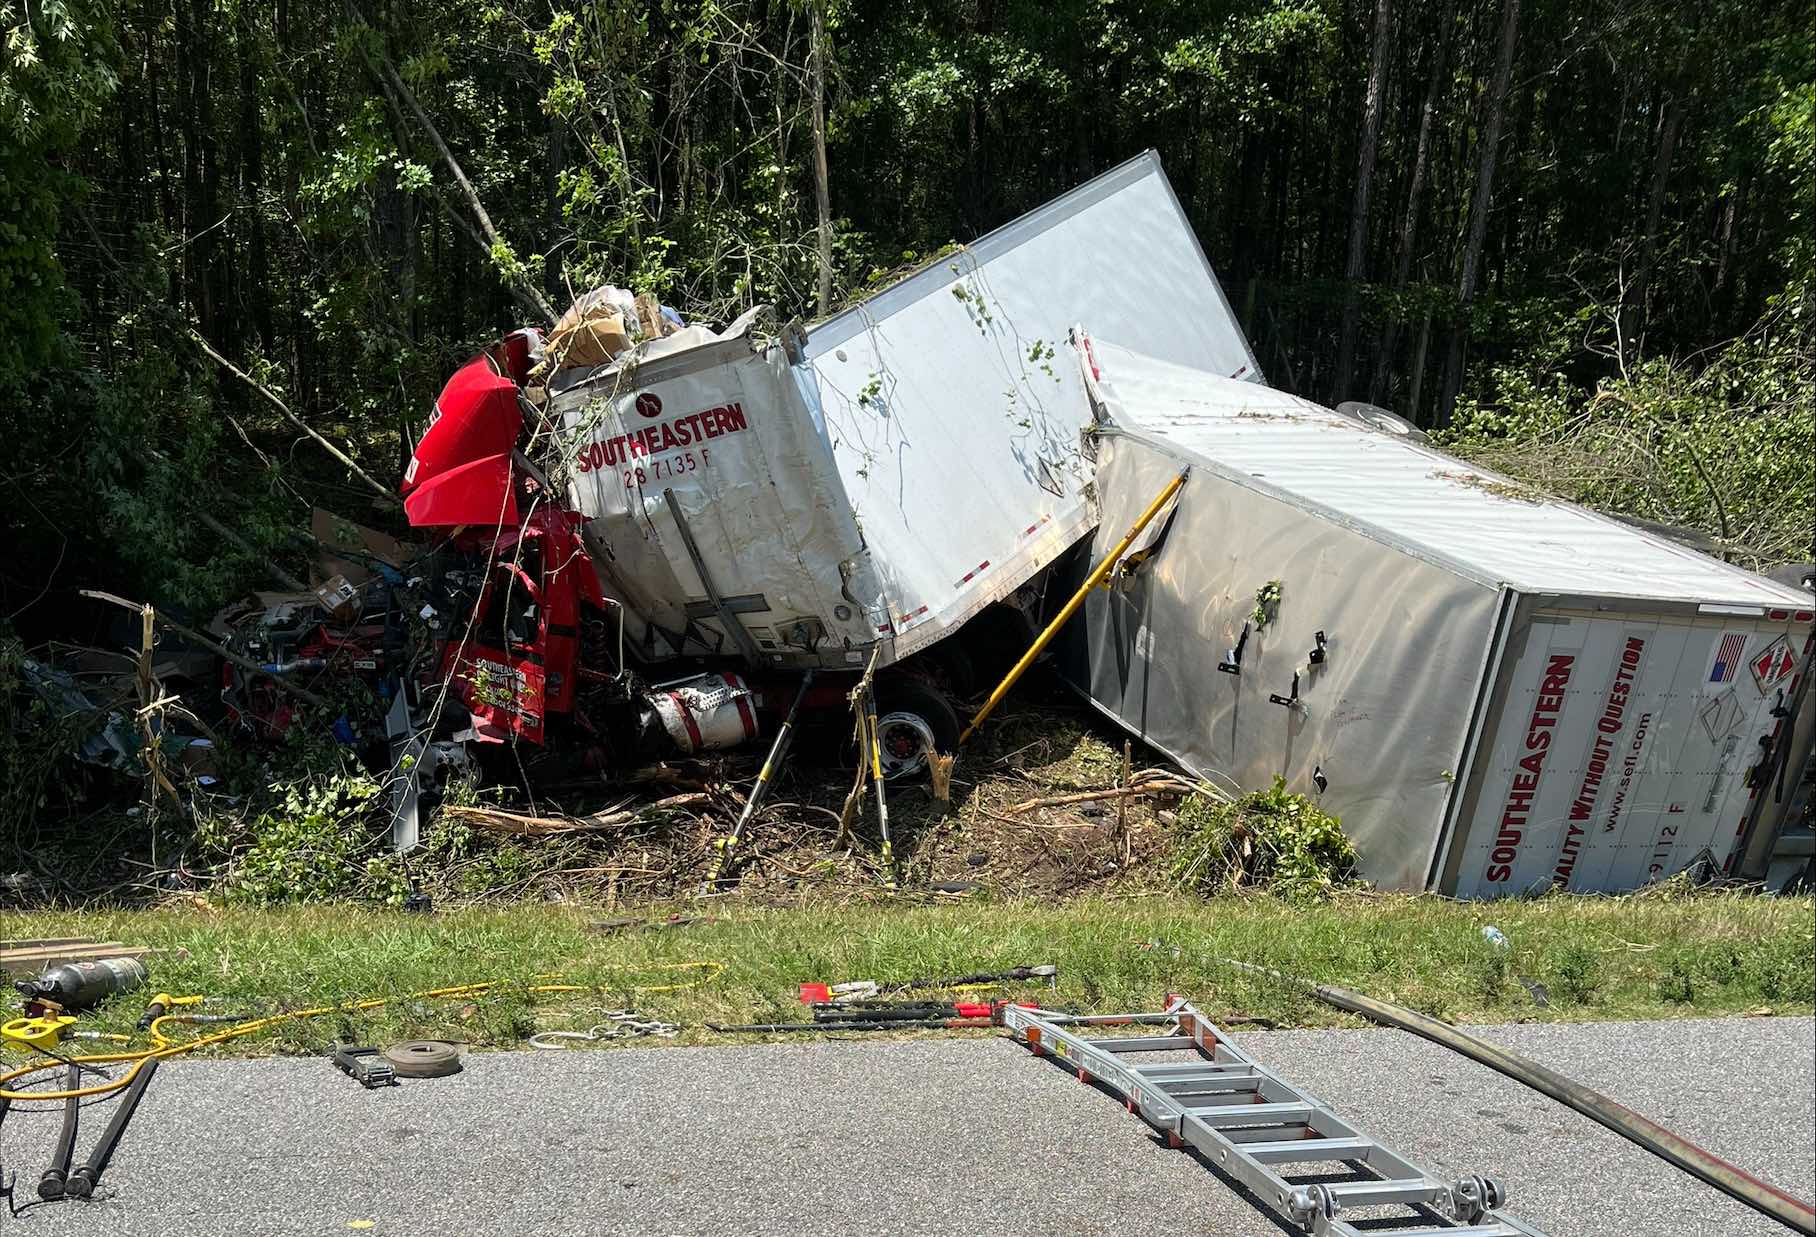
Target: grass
1600, 959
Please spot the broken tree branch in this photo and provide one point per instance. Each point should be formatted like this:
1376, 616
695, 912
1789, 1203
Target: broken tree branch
395, 84
221, 651
499, 821
295, 420
1154, 787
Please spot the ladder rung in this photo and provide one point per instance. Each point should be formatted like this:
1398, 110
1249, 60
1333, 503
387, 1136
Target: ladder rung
1223, 1115
1145, 1043
1184, 1091
1195, 1071
1309, 1149
1407, 1190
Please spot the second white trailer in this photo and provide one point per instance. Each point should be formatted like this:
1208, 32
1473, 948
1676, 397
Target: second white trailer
1497, 692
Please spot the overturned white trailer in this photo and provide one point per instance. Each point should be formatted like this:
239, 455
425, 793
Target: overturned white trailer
880, 477
1495, 691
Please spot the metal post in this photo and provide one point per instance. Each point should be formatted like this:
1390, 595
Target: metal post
82, 1182
733, 628
1078, 599
51, 1184
772, 765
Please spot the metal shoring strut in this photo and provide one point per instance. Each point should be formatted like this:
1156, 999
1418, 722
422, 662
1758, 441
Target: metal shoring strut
873, 743
52, 1184
1246, 1119
1071, 607
772, 765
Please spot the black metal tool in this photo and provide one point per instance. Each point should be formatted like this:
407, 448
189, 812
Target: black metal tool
53, 1183
764, 1028
366, 1066
1047, 971
1232, 660
83, 1181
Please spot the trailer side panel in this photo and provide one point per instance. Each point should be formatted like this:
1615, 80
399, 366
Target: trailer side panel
1381, 717
1622, 747
954, 406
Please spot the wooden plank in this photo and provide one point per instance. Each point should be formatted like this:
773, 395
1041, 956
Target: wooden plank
31, 961
32, 951
38, 942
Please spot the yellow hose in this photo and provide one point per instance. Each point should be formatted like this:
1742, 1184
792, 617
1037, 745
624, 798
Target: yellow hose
166, 1047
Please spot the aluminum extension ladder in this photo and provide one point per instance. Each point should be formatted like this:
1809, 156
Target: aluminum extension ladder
1251, 1123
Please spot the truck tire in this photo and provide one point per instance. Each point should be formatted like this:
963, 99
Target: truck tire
909, 714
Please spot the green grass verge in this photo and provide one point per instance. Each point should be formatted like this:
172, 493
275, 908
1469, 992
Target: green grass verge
1600, 958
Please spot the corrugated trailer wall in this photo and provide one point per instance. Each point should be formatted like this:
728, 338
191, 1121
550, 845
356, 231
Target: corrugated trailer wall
1618, 746
1383, 719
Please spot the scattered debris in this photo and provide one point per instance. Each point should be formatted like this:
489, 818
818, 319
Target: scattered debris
618, 1024
610, 926
857, 989
1155, 782
515, 823
25, 957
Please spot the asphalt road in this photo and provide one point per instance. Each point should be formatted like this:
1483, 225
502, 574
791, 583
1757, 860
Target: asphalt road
927, 1136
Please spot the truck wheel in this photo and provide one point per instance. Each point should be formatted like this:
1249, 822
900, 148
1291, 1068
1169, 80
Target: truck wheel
913, 717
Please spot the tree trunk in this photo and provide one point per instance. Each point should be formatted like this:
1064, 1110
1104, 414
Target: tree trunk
252, 154
400, 92
1415, 191
822, 191
1418, 369
1634, 311
1478, 210
1358, 215
1725, 248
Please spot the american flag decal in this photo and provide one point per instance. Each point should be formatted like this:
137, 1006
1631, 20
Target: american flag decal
1727, 657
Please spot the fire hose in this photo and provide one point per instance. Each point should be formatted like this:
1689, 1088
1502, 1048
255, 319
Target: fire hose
1679, 1152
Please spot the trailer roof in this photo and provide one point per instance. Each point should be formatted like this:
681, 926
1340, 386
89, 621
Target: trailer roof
1447, 510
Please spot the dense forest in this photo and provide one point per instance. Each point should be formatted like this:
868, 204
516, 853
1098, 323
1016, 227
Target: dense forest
1577, 238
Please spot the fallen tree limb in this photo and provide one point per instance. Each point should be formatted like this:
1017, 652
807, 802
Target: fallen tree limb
281, 406
221, 651
1156, 786
401, 92
518, 824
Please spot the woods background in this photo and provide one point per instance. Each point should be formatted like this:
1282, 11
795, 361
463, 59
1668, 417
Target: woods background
1577, 236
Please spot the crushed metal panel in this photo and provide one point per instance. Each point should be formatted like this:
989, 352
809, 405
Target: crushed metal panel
1382, 718
923, 456
1117, 252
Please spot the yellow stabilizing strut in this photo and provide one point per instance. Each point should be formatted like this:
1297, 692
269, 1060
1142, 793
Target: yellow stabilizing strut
1078, 599
875, 744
